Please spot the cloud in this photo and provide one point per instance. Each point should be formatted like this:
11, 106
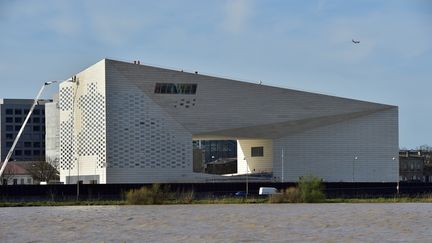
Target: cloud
237, 14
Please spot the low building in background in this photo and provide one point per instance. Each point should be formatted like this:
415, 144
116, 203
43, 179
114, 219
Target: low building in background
415, 166
16, 173
129, 123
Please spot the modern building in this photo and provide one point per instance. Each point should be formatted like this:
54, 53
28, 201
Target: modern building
411, 166
129, 123
31, 146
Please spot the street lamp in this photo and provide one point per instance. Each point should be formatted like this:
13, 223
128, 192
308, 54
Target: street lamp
35, 102
355, 158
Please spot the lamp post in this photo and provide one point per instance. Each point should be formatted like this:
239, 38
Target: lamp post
353, 167
35, 102
247, 177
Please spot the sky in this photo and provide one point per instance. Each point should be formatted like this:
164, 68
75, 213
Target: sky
303, 45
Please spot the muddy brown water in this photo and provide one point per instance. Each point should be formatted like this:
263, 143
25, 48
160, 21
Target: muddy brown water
398, 222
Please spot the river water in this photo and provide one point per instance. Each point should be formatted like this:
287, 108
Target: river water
398, 222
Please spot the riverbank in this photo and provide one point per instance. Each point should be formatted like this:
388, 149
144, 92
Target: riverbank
225, 200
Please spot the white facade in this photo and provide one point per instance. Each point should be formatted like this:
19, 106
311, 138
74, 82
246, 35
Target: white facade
129, 123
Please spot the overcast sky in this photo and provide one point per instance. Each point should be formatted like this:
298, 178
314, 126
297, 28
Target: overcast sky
303, 45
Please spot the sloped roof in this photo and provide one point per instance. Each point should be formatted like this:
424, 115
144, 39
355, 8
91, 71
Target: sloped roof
15, 168
225, 108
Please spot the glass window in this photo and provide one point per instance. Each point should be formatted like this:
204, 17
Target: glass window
9, 136
15, 181
18, 119
9, 144
29, 180
36, 152
27, 144
36, 128
26, 111
22, 181
18, 152
17, 128
18, 111
36, 112
27, 152
9, 128
9, 119
257, 151
9, 112
36, 145
170, 88
36, 119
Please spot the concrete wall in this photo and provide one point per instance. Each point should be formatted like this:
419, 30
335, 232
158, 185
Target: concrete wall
330, 152
52, 132
248, 164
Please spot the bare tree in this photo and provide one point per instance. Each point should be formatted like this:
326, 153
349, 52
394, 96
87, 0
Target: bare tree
42, 171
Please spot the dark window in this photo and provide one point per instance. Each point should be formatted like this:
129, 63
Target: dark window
36, 152
9, 119
18, 119
18, 111
15, 181
9, 136
36, 112
18, 152
257, 151
36, 128
17, 128
9, 112
26, 111
171, 88
36, 119
9, 128
36, 145
27, 144
9, 144
27, 152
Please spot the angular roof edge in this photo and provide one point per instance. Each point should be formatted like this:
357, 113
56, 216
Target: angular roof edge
171, 69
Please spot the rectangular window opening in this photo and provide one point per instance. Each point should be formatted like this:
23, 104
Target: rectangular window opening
257, 151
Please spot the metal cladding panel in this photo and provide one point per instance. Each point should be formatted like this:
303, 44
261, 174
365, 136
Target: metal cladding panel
223, 108
363, 149
144, 143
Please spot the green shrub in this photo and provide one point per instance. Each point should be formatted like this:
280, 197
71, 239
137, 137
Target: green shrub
311, 189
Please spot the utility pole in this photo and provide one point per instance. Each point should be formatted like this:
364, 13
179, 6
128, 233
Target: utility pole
282, 177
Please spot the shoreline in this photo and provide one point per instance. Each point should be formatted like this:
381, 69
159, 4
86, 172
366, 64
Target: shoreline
229, 200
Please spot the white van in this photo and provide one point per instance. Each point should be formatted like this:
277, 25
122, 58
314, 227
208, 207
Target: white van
267, 190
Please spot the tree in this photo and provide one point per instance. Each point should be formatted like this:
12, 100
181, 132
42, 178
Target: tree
43, 171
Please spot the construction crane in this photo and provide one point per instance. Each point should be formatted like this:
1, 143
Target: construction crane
35, 102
